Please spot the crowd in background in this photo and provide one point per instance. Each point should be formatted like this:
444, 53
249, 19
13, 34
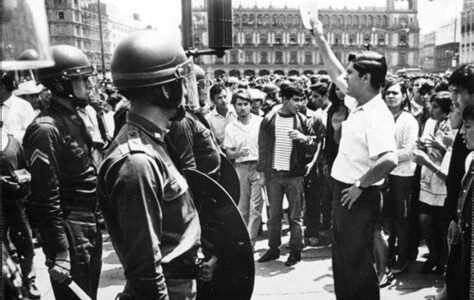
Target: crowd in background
240, 113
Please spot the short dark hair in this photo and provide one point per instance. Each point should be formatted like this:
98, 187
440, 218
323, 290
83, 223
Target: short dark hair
403, 88
241, 94
216, 89
427, 87
463, 77
7, 81
468, 113
290, 90
373, 63
320, 88
444, 101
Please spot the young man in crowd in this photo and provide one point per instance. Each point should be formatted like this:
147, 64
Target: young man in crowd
222, 114
16, 113
281, 163
366, 156
241, 144
462, 88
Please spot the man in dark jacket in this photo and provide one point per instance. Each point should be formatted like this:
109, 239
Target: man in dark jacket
63, 197
282, 140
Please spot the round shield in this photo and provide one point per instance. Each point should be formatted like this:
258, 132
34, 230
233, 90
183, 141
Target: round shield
229, 179
225, 233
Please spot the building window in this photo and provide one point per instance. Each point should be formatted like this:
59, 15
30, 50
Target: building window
403, 59
234, 58
236, 39
293, 39
308, 58
381, 40
197, 41
293, 58
249, 57
278, 39
60, 15
403, 40
248, 39
264, 58
263, 39
308, 40
279, 57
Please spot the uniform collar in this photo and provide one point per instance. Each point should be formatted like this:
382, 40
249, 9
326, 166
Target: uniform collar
147, 126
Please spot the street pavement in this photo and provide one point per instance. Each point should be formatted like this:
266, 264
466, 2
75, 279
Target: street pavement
309, 279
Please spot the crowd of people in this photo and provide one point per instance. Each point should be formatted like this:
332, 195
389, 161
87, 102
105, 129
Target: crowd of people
368, 162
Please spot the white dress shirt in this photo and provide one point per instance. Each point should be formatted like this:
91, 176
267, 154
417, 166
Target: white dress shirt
219, 122
368, 132
241, 136
17, 114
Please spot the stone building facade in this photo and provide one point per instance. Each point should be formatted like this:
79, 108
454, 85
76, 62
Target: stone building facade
270, 40
76, 23
466, 51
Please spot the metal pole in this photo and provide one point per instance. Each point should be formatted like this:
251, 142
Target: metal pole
101, 39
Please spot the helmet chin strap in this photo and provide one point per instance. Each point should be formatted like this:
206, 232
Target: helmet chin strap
64, 89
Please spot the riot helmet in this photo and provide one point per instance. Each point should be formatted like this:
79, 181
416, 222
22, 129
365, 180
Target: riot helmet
149, 62
70, 77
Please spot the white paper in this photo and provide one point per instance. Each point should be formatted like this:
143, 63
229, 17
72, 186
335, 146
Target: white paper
309, 11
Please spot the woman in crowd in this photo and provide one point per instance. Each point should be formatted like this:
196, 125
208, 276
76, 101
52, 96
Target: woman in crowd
397, 204
434, 157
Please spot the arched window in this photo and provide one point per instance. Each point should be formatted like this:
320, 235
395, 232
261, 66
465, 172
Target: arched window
340, 21
275, 20
244, 19
385, 21
237, 19
251, 19
363, 21
355, 20
326, 20
378, 21
290, 20
334, 20
282, 20
348, 20
267, 19
370, 20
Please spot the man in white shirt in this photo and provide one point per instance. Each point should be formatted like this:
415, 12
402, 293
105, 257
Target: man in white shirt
16, 113
222, 114
241, 144
366, 155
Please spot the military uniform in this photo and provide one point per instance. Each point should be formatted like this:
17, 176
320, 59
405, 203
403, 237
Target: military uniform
150, 214
63, 197
194, 144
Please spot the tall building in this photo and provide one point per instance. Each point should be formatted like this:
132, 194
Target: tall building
76, 23
447, 46
466, 50
427, 51
270, 40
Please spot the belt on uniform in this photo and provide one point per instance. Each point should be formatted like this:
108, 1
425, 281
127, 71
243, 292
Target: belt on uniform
175, 271
248, 162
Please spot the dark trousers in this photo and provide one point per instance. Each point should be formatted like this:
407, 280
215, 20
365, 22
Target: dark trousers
281, 184
318, 203
16, 229
397, 211
85, 250
353, 245
454, 278
414, 217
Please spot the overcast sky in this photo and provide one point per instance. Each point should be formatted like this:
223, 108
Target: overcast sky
166, 15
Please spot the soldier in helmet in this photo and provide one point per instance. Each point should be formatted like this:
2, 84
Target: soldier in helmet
147, 206
63, 201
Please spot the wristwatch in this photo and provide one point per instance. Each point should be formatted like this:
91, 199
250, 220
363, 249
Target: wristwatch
357, 184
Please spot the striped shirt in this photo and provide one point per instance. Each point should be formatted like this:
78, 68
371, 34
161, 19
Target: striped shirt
283, 143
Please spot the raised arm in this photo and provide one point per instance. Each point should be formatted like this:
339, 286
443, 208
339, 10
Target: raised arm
334, 67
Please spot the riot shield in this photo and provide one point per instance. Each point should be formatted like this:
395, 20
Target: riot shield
224, 230
229, 179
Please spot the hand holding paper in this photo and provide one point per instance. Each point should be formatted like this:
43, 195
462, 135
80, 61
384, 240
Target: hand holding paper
309, 13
